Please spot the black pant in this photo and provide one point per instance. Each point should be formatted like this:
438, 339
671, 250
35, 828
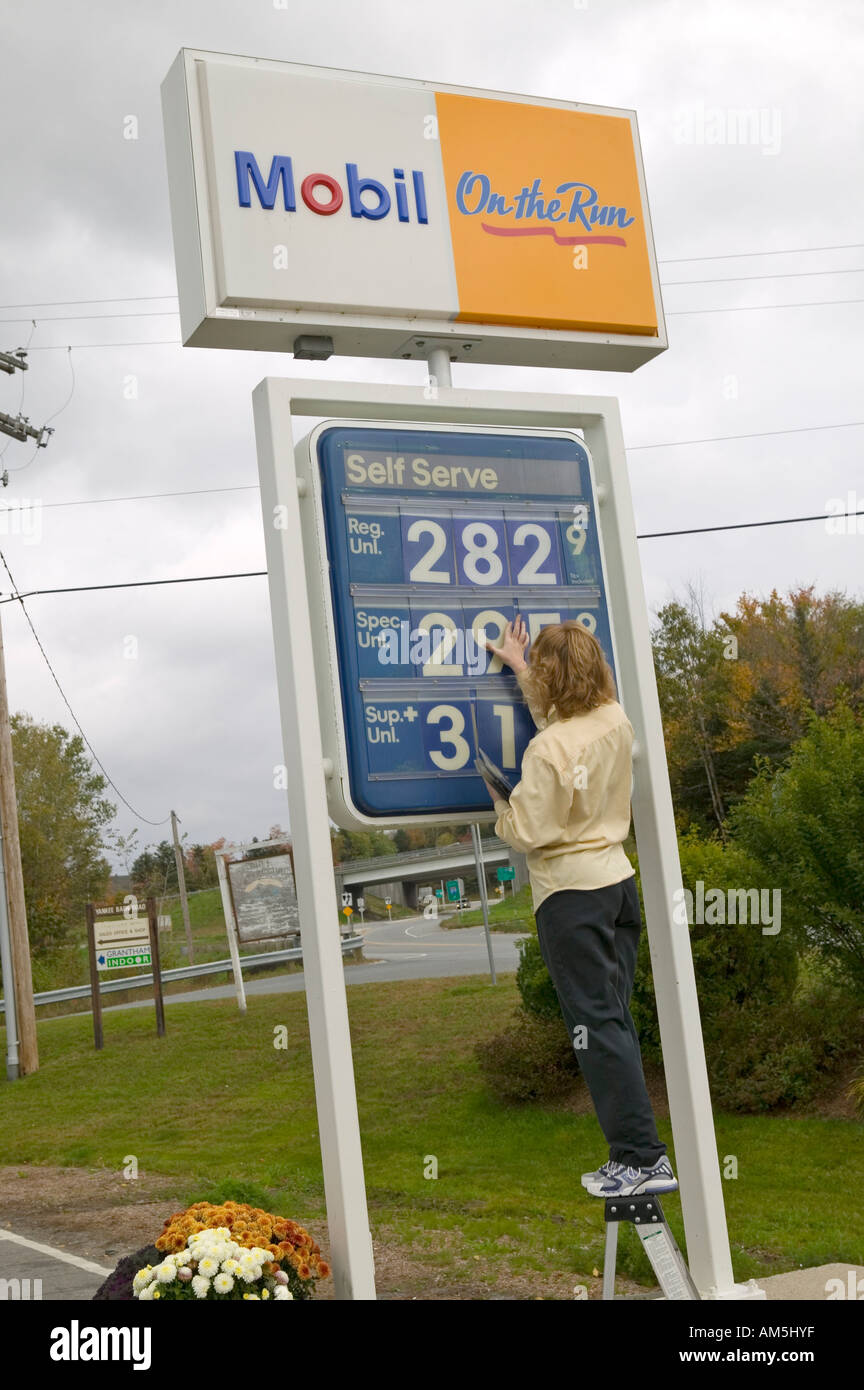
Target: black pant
589, 939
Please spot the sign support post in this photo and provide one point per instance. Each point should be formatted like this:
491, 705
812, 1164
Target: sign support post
484, 897
332, 1063
156, 967
231, 925
95, 991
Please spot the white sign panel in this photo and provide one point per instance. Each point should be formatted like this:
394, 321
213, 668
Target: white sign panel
113, 931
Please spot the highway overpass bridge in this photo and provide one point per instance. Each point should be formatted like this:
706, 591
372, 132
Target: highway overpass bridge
405, 873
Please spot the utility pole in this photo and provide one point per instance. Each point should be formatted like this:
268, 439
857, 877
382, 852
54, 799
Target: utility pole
181, 879
19, 941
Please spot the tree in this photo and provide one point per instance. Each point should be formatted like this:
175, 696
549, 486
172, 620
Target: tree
743, 687
62, 813
802, 823
696, 690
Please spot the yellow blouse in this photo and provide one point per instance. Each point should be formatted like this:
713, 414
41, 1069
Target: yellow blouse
570, 811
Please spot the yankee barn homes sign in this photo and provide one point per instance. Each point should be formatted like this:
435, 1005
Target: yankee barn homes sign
384, 213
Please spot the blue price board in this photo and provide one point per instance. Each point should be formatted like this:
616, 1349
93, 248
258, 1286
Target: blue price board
436, 538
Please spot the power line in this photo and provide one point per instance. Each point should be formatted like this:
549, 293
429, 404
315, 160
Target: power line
16, 597
673, 260
729, 256
744, 308
165, 313
734, 279
743, 525
260, 574
63, 303
253, 487
136, 497
673, 313
759, 434
133, 584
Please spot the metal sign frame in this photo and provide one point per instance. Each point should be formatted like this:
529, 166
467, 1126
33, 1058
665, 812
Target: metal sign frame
318, 564
284, 497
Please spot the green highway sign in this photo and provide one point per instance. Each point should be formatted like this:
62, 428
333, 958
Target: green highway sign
455, 888
505, 873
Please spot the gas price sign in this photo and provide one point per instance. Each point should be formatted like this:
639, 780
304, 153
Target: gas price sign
433, 540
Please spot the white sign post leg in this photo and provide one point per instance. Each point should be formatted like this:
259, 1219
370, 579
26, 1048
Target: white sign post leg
231, 930
338, 1122
654, 820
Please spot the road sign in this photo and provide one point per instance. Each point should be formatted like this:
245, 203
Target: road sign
504, 873
348, 910
424, 541
347, 899
380, 212
263, 896
137, 951
123, 957
112, 931
361, 903
388, 902
455, 889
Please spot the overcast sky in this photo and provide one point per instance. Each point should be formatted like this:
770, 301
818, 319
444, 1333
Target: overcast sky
192, 721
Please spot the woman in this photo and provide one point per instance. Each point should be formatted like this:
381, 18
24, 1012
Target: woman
569, 814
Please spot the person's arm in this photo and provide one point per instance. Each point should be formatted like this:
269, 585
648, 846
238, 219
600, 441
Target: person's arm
514, 641
534, 710
539, 807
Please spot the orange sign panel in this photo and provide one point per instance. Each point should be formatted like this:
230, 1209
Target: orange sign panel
547, 217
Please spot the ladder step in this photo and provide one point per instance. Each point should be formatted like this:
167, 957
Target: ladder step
658, 1242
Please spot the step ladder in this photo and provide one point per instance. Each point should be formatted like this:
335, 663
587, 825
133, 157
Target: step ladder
658, 1242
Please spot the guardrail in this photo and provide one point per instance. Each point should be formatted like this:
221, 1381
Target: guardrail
410, 856
181, 972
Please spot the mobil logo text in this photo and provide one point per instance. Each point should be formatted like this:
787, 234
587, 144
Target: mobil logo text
324, 194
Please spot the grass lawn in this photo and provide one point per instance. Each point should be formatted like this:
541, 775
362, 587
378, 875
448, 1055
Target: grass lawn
215, 1101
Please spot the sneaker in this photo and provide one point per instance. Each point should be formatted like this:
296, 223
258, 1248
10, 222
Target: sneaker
631, 1182
606, 1170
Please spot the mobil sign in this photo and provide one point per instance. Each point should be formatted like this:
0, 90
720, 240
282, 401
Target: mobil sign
392, 216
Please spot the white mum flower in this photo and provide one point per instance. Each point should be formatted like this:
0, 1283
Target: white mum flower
282, 1293
208, 1266
223, 1283
200, 1286
166, 1272
142, 1279
146, 1293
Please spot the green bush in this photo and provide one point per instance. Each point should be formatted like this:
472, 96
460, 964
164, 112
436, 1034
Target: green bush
531, 1061
766, 1057
770, 1040
803, 823
534, 981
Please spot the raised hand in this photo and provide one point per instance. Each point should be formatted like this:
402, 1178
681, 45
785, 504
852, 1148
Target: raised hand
514, 640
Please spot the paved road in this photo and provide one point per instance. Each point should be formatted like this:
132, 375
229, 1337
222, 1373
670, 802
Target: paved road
412, 948
44, 1272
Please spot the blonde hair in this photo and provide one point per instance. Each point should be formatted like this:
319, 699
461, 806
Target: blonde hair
568, 670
